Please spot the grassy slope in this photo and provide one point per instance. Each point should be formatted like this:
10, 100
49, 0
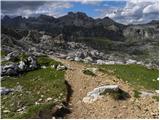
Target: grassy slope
37, 86
136, 75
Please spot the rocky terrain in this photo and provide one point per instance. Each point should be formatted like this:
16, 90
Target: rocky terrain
78, 37
75, 66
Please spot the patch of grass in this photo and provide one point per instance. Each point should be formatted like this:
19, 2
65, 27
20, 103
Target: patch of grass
136, 75
136, 94
36, 86
43, 60
88, 72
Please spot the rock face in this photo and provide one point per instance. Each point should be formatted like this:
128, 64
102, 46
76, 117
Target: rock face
97, 92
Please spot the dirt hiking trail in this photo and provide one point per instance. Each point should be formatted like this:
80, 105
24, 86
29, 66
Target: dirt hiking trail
107, 107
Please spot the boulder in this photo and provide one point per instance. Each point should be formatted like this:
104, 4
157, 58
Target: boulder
97, 92
5, 91
88, 60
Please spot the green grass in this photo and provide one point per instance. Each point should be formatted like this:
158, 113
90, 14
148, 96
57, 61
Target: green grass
36, 85
88, 72
136, 94
136, 75
43, 60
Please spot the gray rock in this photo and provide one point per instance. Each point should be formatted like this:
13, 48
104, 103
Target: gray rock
61, 67
5, 91
12, 55
88, 60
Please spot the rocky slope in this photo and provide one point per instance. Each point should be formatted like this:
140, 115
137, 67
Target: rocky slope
79, 37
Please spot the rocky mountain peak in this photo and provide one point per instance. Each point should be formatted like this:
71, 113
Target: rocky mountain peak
46, 18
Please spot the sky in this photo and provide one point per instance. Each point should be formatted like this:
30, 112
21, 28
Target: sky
122, 11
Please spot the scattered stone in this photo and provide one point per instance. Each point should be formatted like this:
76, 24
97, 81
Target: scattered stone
61, 67
92, 69
6, 111
43, 67
49, 99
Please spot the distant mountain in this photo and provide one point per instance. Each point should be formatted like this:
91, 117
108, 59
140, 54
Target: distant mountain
106, 35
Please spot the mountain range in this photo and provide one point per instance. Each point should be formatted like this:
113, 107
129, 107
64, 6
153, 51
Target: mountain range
138, 42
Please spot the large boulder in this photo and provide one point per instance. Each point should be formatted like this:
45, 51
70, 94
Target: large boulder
14, 69
97, 92
11, 69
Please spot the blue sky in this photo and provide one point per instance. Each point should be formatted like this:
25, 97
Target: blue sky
123, 11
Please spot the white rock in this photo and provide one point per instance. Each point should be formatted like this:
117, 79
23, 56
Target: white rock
77, 59
52, 66
61, 67
49, 99
100, 62
97, 92
145, 93
21, 65
43, 67
130, 61
6, 111
88, 60
92, 69
110, 62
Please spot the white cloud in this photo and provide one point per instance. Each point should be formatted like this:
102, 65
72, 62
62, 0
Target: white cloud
135, 11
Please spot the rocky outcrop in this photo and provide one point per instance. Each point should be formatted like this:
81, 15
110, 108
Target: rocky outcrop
13, 69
